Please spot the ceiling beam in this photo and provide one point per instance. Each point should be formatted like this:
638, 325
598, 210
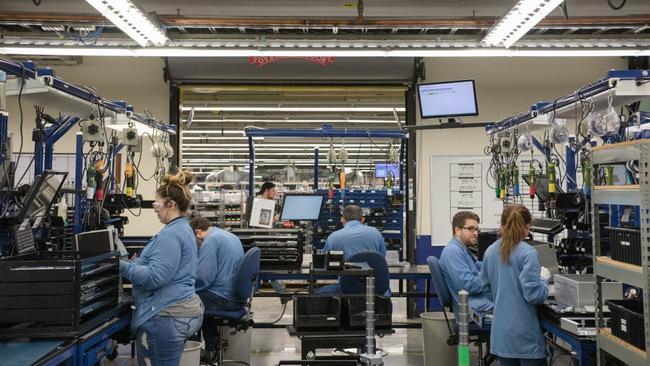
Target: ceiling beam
181, 21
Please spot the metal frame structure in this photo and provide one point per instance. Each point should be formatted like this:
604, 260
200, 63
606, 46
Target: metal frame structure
623, 86
605, 268
44, 150
318, 133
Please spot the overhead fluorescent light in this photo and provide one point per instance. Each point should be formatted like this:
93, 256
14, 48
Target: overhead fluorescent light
518, 21
222, 138
247, 52
293, 109
131, 20
291, 120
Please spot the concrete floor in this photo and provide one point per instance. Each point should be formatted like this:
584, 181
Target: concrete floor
269, 346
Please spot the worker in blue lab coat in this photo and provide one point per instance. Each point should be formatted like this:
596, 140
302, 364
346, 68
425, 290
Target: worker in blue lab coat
167, 310
514, 279
353, 238
220, 255
459, 267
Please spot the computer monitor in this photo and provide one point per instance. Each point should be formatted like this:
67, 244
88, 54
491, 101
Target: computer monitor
41, 194
448, 99
98, 241
541, 186
302, 207
382, 169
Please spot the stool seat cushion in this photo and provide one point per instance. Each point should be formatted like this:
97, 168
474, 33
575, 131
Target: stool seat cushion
226, 314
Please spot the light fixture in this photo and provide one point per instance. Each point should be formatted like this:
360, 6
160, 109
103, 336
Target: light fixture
131, 20
307, 52
518, 21
292, 109
291, 120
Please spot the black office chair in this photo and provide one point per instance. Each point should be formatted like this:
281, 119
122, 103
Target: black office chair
239, 320
351, 285
477, 335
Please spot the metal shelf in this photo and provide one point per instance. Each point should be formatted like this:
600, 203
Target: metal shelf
616, 196
621, 349
617, 153
618, 271
605, 267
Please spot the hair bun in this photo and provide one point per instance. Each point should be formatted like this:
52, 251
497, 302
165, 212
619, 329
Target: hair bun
182, 178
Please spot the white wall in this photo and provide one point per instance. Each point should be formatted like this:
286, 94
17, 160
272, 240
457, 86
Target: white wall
504, 87
139, 81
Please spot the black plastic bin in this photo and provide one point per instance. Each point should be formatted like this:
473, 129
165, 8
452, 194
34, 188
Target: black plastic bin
627, 321
314, 312
625, 244
353, 312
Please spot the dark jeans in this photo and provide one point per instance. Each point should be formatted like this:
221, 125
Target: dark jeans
210, 328
522, 362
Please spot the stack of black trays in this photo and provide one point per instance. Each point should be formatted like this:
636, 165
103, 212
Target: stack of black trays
281, 248
57, 294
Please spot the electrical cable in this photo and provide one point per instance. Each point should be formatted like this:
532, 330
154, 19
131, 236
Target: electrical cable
616, 7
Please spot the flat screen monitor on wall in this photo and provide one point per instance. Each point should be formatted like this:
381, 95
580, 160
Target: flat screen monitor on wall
448, 99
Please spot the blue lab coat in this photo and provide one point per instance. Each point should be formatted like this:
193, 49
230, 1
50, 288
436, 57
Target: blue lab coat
220, 255
463, 272
516, 289
164, 272
356, 237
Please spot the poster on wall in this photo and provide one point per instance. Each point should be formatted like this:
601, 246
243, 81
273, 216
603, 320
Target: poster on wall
459, 183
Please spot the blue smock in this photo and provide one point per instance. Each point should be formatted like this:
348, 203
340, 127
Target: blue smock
463, 272
220, 255
164, 272
356, 237
516, 289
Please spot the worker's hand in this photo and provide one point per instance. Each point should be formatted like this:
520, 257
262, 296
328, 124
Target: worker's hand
545, 274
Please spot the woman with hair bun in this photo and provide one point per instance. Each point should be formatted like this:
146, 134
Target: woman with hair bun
167, 310
513, 278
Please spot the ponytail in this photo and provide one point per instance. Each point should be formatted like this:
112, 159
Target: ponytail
514, 223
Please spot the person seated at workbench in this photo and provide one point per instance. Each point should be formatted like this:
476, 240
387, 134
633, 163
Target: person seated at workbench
353, 238
220, 255
461, 270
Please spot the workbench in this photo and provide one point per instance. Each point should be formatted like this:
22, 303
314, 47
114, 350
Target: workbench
86, 350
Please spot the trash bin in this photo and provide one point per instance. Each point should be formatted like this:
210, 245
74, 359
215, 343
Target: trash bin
191, 354
434, 339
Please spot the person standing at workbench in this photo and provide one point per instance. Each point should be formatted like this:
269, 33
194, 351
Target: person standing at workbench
514, 279
167, 310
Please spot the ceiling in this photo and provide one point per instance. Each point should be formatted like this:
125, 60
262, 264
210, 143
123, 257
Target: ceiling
381, 23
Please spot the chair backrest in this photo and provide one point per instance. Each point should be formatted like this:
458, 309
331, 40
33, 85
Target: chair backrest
439, 281
248, 274
356, 285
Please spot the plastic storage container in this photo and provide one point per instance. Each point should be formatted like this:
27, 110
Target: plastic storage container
313, 312
353, 312
627, 321
577, 290
625, 244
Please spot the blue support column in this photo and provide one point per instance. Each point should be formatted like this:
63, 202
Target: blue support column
38, 159
49, 151
4, 135
78, 177
402, 170
251, 167
571, 171
316, 158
